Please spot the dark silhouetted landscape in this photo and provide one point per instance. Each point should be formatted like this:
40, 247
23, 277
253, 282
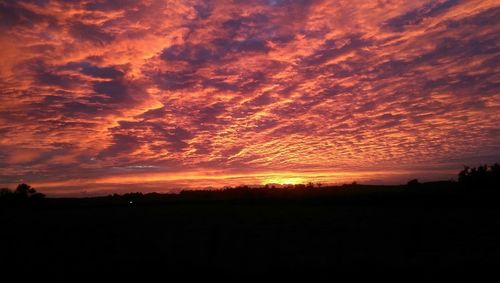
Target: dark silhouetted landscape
447, 227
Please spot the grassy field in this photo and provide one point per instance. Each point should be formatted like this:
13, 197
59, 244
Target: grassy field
382, 233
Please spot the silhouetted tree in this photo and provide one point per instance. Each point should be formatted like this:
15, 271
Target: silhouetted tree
481, 177
299, 186
25, 191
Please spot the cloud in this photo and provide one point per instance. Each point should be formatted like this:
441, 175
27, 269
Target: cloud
415, 17
100, 72
91, 33
13, 14
101, 89
177, 138
115, 90
210, 114
120, 144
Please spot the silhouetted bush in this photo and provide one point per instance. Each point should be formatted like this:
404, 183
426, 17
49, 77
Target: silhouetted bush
4, 192
413, 183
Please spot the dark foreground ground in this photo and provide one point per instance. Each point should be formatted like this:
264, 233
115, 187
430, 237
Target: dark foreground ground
384, 232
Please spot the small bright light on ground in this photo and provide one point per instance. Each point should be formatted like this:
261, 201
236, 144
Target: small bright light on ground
131, 202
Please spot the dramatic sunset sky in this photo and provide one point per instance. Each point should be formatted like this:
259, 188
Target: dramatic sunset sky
121, 95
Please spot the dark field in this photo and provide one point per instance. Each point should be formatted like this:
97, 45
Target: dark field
357, 233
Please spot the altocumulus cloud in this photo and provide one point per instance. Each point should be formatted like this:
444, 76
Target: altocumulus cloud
91, 89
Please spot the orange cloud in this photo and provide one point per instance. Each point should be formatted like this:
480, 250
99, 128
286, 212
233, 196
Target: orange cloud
261, 90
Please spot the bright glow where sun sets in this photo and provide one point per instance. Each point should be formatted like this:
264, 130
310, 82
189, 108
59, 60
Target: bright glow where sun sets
284, 180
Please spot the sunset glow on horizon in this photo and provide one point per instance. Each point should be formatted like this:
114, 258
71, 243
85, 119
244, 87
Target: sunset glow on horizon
99, 97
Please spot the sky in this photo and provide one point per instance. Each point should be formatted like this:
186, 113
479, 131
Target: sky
101, 97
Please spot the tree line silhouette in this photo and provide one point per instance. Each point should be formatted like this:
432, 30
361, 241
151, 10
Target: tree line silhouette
482, 179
